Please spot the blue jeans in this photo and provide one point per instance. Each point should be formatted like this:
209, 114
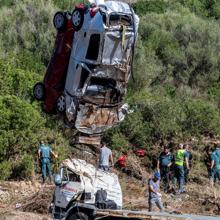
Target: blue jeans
152, 202
179, 175
45, 167
104, 168
215, 174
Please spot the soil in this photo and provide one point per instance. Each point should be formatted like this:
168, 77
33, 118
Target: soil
25, 200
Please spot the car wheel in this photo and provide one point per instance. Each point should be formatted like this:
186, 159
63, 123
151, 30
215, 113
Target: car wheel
61, 104
78, 216
59, 20
39, 91
77, 19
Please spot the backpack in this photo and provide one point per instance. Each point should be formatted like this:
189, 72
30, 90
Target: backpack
101, 201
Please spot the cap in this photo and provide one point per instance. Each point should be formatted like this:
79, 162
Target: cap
157, 175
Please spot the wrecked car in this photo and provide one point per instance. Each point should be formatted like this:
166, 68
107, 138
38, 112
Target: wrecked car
51, 89
78, 188
87, 77
100, 66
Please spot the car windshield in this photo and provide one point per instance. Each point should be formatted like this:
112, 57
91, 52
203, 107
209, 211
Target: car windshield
102, 91
120, 19
116, 19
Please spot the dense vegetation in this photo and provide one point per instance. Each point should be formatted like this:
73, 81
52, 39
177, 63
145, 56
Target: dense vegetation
175, 93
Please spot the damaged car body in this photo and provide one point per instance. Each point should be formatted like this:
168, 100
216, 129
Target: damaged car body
78, 186
99, 67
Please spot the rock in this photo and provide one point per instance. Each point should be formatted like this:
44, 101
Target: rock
4, 196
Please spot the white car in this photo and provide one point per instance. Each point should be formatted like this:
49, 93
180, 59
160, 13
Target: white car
77, 187
100, 66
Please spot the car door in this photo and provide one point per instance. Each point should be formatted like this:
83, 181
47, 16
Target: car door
71, 185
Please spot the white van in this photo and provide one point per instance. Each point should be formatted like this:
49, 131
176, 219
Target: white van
77, 186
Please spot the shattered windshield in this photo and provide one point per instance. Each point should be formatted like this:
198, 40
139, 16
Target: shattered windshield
102, 91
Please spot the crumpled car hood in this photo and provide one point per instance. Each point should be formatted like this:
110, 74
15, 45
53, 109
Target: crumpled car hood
92, 119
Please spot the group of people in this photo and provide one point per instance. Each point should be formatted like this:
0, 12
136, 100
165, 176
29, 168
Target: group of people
45, 154
173, 167
176, 167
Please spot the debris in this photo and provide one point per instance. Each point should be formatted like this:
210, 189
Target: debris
39, 202
18, 205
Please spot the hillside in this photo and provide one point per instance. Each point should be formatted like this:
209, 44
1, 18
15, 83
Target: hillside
175, 93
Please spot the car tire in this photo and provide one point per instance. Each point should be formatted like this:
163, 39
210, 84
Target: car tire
61, 104
39, 91
78, 216
77, 19
59, 20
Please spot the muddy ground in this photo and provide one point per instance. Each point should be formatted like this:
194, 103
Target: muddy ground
25, 200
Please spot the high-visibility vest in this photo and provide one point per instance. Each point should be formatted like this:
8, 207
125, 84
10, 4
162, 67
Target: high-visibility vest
180, 157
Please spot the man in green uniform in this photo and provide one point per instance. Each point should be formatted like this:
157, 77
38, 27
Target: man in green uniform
180, 156
190, 157
207, 161
215, 163
163, 166
45, 152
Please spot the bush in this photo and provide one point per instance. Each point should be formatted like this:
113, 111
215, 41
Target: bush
179, 49
19, 128
5, 170
214, 94
142, 7
201, 117
27, 25
23, 168
66, 4
15, 80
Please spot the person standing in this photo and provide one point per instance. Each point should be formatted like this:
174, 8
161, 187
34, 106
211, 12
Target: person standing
44, 153
215, 163
189, 157
180, 156
207, 161
105, 157
163, 166
154, 194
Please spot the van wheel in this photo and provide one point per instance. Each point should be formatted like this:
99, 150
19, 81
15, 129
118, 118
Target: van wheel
39, 91
61, 104
78, 216
59, 20
77, 19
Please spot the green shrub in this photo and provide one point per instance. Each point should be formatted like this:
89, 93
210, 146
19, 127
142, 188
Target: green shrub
119, 142
182, 46
15, 80
214, 94
66, 4
201, 117
5, 170
144, 6
23, 168
27, 25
